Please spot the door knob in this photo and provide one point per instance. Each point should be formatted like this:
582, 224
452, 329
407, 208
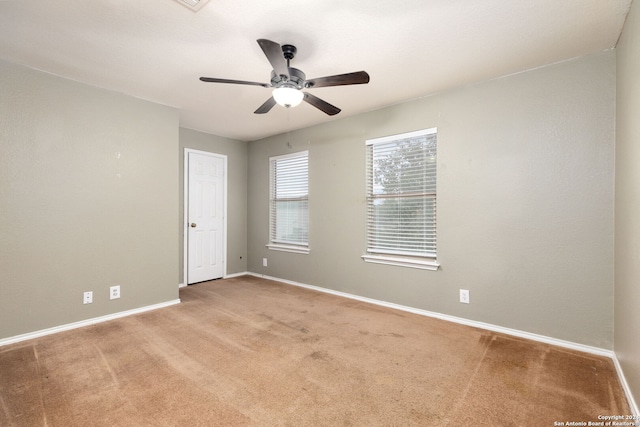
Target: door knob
193, 225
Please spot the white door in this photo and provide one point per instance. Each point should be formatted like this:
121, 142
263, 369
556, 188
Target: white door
205, 217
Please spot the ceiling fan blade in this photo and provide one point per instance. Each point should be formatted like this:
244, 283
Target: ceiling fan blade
266, 107
357, 78
274, 54
321, 105
237, 82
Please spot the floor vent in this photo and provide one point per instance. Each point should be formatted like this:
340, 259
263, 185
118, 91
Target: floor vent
194, 5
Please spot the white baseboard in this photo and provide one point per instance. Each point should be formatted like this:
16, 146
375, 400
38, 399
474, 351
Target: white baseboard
625, 386
226, 276
487, 326
231, 276
80, 324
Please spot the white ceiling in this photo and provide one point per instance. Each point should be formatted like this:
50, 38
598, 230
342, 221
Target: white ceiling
157, 49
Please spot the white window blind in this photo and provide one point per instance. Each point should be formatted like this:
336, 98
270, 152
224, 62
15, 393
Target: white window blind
289, 202
401, 199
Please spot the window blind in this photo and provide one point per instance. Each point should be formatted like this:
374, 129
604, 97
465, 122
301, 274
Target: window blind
289, 216
401, 194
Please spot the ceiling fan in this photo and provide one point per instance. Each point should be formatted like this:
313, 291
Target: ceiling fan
289, 82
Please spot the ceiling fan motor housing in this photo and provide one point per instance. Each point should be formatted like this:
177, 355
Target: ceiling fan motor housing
296, 79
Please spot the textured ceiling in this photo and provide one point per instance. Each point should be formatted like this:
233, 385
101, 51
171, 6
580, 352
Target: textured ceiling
157, 49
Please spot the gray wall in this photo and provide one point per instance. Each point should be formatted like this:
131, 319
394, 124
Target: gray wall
236, 152
88, 199
627, 206
525, 202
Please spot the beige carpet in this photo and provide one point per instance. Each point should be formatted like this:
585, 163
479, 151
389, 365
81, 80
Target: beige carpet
248, 351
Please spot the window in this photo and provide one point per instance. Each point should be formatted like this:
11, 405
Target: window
401, 200
289, 203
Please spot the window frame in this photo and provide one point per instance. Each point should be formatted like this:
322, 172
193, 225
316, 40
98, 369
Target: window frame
283, 245
401, 257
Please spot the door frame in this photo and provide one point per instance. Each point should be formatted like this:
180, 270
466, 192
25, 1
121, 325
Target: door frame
185, 215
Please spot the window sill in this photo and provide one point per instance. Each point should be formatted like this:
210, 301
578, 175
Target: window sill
289, 248
423, 264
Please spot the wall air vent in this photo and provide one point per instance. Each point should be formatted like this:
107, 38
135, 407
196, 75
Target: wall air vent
194, 5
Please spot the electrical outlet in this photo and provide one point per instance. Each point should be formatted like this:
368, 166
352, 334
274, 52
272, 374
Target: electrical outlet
464, 296
114, 292
88, 297
264, 262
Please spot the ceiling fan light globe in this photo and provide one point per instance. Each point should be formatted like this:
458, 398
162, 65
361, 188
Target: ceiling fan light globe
287, 96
